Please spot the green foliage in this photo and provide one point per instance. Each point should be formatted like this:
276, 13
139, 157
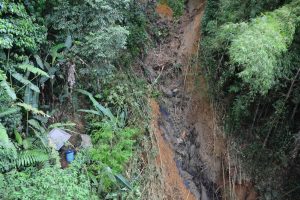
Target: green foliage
134, 194
22, 33
259, 46
250, 53
31, 109
125, 92
32, 69
7, 151
62, 125
18, 29
94, 25
121, 95
112, 148
9, 90
10, 115
4, 140
25, 81
47, 183
136, 23
10, 158
4, 84
30, 157
99, 108
123, 181
91, 36
54, 51
111, 39
242, 10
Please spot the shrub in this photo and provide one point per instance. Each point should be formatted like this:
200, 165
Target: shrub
47, 183
111, 149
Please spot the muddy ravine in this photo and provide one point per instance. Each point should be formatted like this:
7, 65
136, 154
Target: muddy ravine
192, 152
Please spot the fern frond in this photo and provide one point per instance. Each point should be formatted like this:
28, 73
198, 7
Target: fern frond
9, 90
25, 81
9, 112
11, 159
32, 69
32, 109
30, 157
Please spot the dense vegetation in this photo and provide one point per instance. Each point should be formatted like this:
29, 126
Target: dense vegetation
250, 52
69, 64
64, 62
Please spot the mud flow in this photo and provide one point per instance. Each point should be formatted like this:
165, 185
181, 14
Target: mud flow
191, 149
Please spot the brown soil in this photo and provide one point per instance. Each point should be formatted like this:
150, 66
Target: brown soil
174, 187
192, 151
177, 49
164, 11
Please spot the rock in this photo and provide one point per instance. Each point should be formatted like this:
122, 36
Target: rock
179, 141
185, 175
192, 151
189, 183
86, 141
167, 92
175, 92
